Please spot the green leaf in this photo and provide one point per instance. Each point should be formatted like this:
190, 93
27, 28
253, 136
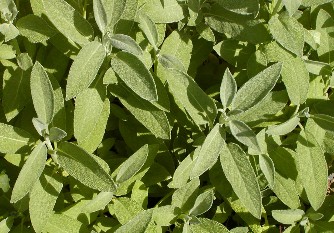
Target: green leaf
288, 32
312, 168
257, 88
12, 139
138, 224
239, 172
285, 127
91, 114
228, 89
244, 134
35, 29
9, 31
135, 75
6, 52
203, 203
56, 134
4, 182
208, 226
150, 30
30, 172
324, 121
124, 209
294, 73
185, 197
292, 6
308, 3
288, 216
43, 197
99, 202
113, 11
100, 15
133, 164
209, 151
24, 61
84, 68
84, 167
168, 11
61, 223
40, 126
268, 168
171, 62
292, 229
6, 224
126, 43
241, 7
191, 97
68, 21
42, 93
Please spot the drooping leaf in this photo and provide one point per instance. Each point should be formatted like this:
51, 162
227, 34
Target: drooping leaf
84, 167
84, 68
288, 216
30, 172
240, 174
285, 127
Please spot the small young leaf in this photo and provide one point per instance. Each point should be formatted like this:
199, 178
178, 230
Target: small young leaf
203, 203
228, 89
288, 216
30, 173
292, 6
40, 126
135, 75
9, 31
100, 15
84, 68
6, 224
268, 168
84, 167
126, 43
42, 93
56, 134
138, 224
244, 134
150, 30
257, 88
284, 128
209, 152
12, 138
239, 172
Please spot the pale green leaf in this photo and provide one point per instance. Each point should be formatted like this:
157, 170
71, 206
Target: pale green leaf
6, 224
9, 31
241, 7
171, 62
126, 43
40, 126
228, 89
135, 75
239, 172
84, 167
288, 216
100, 15
268, 168
325, 25
285, 127
124, 209
150, 30
24, 61
185, 197
42, 93
60, 223
12, 139
309, 3
43, 197
99, 202
208, 226
68, 21
30, 172
209, 151
288, 32
4, 182
203, 203
138, 224
324, 121
56, 134
244, 134
84, 68
292, 5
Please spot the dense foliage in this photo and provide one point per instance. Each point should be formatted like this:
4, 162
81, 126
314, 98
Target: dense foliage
187, 116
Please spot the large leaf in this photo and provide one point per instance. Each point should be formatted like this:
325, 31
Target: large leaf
12, 139
61, 223
325, 25
312, 168
135, 75
257, 88
209, 151
208, 226
30, 172
84, 167
239, 172
84, 68
68, 21
42, 93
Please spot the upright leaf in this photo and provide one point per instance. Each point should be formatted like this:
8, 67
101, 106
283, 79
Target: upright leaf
150, 30
228, 89
325, 25
257, 88
312, 168
292, 6
30, 173
185, 197
209, 151
68, 21
84, 167
268, 168
42, 93
100, 15
239, 172
135, 75
84, 68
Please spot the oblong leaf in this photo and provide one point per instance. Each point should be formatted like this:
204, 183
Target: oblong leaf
208, 226
42, 93
203, 203
126, 43
288, 216
228, 89
324, 121
64, 223
284, 128
239, 172
244, 134
135, 75
43, 197
209, 151
258, 87
68, 21
138, 224
30, 172
185, 197
84, 167
133, 164
100, 15
12, 138
84, 68
99, 202
268, 168
150, 30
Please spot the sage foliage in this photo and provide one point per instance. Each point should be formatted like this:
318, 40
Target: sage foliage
178, 116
